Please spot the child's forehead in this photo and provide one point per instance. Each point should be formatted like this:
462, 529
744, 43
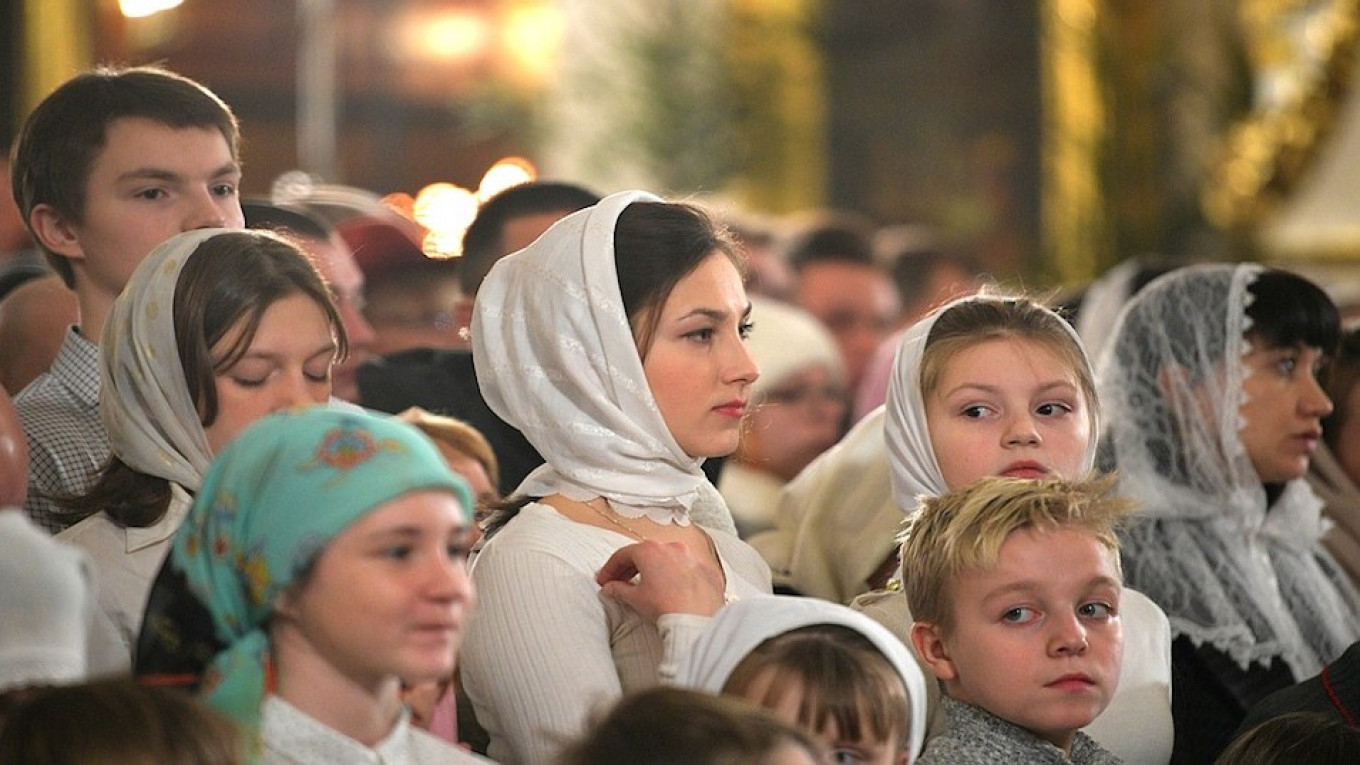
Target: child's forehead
1034, 554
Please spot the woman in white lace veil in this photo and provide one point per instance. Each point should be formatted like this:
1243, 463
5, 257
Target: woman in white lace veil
1212, 411
615, 342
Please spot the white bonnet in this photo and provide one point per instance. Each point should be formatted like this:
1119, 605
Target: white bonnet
786, 339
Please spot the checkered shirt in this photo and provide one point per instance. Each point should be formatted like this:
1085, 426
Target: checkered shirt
67, 443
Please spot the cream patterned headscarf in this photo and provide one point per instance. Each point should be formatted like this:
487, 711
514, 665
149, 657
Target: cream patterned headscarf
555, 358
153, 424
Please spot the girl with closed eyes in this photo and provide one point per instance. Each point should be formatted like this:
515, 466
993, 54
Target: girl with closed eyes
215, 329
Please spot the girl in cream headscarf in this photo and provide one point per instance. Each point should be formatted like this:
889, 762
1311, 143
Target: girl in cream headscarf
214, 329
993, 385
615, 343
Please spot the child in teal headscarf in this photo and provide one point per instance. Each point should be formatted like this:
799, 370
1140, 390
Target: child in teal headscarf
328, 547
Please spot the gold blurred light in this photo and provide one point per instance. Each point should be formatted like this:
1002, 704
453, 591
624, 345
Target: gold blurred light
446, 211
507, 172
136, 9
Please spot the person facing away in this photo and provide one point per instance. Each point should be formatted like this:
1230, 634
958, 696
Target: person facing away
1296, 738
328, 547
1015, 587
990, 385
108, 166
615, 343
118, 721
837, 674
1214, 408
215, 329
443, 381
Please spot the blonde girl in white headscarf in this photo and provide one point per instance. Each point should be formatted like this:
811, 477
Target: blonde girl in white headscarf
615, 343
215, 329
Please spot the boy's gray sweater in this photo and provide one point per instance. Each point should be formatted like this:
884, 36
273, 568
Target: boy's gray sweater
974, 736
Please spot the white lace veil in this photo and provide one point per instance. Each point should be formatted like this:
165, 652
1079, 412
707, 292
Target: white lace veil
1254, 584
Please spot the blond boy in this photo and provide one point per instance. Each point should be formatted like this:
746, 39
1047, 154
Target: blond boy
1015, 587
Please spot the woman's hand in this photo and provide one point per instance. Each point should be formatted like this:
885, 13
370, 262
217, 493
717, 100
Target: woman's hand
657, 578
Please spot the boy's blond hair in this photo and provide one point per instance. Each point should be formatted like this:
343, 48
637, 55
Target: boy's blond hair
965, 529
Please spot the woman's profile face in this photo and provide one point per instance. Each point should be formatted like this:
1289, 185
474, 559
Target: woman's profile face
287, 364
1284, 404
698, 367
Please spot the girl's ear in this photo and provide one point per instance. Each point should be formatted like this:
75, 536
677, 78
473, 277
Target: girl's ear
928, 640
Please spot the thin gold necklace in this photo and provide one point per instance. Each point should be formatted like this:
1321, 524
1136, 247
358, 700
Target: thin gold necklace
632, 532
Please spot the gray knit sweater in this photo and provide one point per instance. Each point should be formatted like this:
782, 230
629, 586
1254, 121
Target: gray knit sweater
974, 736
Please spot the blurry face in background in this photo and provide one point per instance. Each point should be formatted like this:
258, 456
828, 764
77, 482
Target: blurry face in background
288, 364
799, 418
333, 258
522, 230
1347, 450
857, 302
415, 310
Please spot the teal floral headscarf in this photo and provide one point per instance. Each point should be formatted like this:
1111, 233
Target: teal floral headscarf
271, 502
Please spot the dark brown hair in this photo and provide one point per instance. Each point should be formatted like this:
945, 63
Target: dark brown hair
656, 244
676, 726
117, 722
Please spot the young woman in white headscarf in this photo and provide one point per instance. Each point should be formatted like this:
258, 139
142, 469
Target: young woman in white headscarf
1213, 411
215, 329
1000, 385
615, 342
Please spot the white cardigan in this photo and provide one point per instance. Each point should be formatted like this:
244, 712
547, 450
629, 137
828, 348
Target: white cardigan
544, 649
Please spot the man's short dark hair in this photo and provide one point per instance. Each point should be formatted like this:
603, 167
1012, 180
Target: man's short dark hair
483, 241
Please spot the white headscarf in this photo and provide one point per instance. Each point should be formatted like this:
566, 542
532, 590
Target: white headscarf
555, 358
47, 604
742, 626
1255, 585
837, 520
152, 422
915, 471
